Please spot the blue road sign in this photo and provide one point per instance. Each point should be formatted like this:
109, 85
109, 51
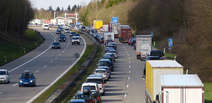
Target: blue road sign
115, 19
170, 42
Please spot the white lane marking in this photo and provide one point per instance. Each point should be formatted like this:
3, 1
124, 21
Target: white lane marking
129, 66
15, 84
45, 66
127, 86
36, 71
63, 51
125, 95
70, 67
128, 78
129, 71
30, 60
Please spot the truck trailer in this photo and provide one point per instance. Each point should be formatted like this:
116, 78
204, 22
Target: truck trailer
108, 36
155, 69
125, 33
143, 46
186, 88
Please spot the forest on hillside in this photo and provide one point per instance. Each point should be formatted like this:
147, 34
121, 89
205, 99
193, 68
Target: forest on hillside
15, 16
188, 22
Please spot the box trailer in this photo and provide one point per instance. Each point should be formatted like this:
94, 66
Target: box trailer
108, 36
125, 33
155, 69
143, 46
114, 27
181, 89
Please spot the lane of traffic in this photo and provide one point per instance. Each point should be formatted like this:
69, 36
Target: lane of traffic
45, 70
125, 84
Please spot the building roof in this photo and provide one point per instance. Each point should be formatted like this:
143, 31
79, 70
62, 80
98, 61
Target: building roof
180, 80
165, 63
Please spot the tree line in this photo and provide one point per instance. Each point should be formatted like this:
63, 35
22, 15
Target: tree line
15, 16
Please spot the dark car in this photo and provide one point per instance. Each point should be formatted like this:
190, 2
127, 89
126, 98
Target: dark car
72, 33
155, 55
27, 79
62, 38
77, 101
58, 31
132, 41
111, 44
108, 56
56, 45
110, 49
106, 62
86, 95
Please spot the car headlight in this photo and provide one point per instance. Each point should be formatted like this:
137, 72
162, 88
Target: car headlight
21, 81
31, 81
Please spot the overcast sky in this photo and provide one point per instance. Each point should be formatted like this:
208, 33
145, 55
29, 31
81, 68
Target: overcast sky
55, 3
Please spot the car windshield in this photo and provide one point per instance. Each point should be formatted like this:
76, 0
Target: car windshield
100, 71
55, 43
98, 81
89, 88
26, 75
3, 72
103, 63
77, 102
46, 25
155, 53
75, 38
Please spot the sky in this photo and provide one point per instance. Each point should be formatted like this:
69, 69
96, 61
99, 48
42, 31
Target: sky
55, 3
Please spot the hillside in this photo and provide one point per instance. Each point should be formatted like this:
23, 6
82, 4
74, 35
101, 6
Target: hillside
188, 22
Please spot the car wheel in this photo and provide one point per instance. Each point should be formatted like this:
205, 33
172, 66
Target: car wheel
8, 82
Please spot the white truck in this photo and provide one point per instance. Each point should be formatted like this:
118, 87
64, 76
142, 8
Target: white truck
143, 46
154, 70
108, 36
181, 89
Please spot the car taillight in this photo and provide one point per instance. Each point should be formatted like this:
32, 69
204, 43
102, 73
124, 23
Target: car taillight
91, 101
102, 85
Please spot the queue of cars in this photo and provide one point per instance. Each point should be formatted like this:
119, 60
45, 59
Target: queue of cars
62, 32
93, 88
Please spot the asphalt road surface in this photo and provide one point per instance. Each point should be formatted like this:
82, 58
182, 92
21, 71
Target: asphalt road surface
126, 84
47, 64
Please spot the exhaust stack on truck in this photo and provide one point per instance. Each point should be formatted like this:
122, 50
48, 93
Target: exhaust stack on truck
155, 69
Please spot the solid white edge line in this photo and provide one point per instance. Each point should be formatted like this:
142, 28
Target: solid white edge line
70, 67
31, 59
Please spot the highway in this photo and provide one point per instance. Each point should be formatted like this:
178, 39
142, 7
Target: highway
126, 84
47, 65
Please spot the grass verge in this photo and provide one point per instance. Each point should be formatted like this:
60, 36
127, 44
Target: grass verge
90, 70
208, 92
170, 55
10, 51
73, 71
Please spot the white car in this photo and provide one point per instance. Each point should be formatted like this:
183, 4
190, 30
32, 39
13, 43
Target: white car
90, 86
104, 73
45, 26
75, 40
97, 78
4, 76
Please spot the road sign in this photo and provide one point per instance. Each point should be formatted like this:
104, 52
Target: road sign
115, 19
170, 42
